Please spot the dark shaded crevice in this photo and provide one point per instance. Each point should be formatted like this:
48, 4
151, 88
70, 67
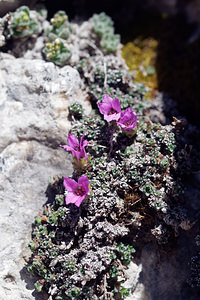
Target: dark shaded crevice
178, 66
178, 59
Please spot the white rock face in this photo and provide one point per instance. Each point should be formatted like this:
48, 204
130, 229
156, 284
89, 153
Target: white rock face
137, 289
34, 100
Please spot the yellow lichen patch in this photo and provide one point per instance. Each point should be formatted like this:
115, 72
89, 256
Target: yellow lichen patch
140, 57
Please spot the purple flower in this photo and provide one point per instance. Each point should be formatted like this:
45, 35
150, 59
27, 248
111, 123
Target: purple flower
77, 148
128, 120
110, 108
77, 192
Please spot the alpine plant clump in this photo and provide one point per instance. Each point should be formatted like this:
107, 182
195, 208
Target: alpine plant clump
125, 188
82, 239
22, 23
59, 27
57, 52
104, 29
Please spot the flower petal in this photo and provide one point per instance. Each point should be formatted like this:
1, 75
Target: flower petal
79, 200
77, 154
104, 108
107, 99
70, 184
128, 120
116, 105
72, 140
83, 180
68, 148
83, 154
85, 143
82, 138
71, 198
112, 117
63, 146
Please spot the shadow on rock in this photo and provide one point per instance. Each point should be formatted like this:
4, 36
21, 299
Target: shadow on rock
30, 280
54, 188
166, 270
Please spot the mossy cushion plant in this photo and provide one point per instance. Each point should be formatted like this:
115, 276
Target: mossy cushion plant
59, 27
110, 42
123, 170
104, 29
21, 24
57, 52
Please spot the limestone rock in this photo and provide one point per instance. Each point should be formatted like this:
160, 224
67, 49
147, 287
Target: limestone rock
25, 168
34, 100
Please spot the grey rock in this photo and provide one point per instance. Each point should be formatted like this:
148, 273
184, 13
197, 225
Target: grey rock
34, 100
25, 169
162, 274
137, 289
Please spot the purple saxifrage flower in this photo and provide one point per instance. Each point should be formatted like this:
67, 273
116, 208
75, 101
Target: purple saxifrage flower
110, 108
128, 120
77, 148
77, 192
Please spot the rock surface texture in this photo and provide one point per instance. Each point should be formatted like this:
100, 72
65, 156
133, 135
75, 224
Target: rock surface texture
34, 100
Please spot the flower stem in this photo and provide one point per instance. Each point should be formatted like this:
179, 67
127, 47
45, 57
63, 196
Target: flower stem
112, 131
